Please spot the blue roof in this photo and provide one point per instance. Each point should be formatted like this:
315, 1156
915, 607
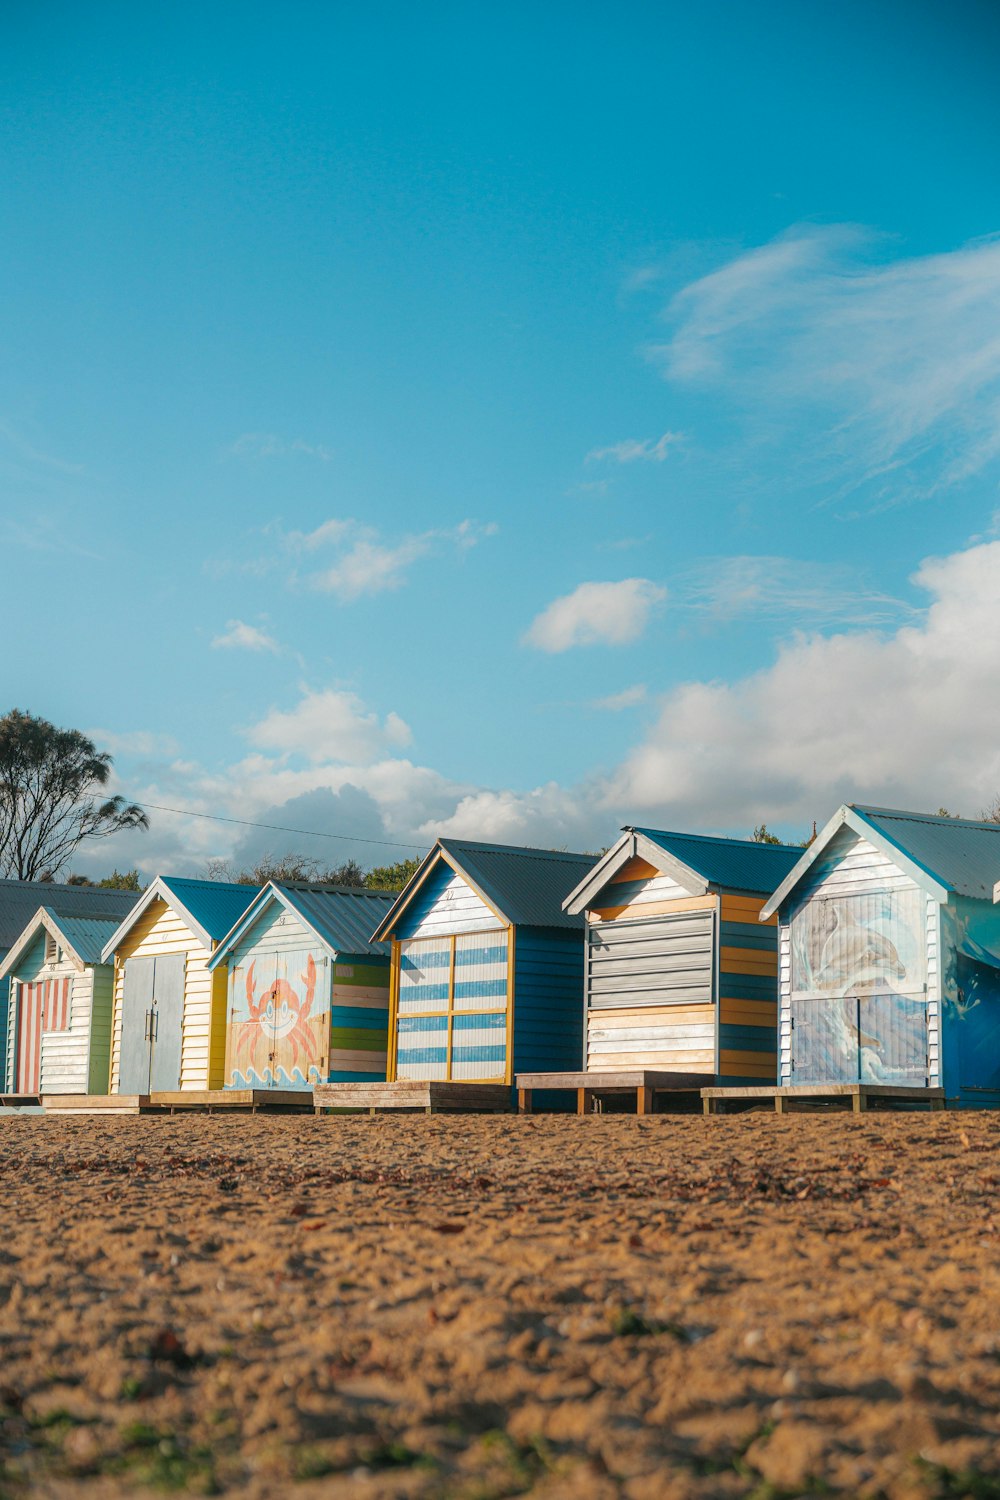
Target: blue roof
734, 864
85, 935
962, 854
342, 916
215, 905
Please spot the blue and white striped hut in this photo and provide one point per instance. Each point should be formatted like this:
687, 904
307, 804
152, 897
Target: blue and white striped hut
487, 968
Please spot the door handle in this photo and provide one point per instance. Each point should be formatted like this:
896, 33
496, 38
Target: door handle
147, 1031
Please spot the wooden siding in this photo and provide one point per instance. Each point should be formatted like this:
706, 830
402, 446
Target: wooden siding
160, 931
445, 904
748, 990
548, 1000
669, 1038
359, 1020
667, 959
450, 1016
639, 890
852, 866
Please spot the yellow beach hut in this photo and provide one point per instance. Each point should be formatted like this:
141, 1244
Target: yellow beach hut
169, 1014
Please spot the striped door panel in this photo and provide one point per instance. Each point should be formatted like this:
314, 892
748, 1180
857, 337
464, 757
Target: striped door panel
56, 1007
423, 1047
479, 1046
30, 1003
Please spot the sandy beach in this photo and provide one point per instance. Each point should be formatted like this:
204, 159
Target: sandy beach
480, 1307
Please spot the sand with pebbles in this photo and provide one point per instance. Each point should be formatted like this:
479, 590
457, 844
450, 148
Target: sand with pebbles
480, 1307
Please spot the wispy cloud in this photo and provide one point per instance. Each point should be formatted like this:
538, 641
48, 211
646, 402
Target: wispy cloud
240, 636
890, 368
629, 697
606, 614
42, 533
30, 453
252, 445
729, 588
634, 450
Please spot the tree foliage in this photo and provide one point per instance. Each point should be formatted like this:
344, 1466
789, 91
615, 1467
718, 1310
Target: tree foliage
761, 835
291, 868
392, 877
50, 781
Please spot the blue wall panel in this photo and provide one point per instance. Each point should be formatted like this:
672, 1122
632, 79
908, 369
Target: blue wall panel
548, 1000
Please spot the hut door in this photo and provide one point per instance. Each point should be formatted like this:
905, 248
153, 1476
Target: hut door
29, 1037
167, 1023
152, 1016
137, 1001
300, 1020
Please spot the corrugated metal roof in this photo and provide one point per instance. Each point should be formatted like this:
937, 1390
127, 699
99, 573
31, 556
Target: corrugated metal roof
85, 935
20, 899
735, 864
344, 916
527, 885
215, 905
961, 854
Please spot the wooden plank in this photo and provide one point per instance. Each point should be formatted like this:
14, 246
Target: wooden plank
627, 1079
413, 1094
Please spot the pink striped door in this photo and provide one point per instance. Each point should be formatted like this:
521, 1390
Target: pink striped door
55, 1012
29, 1037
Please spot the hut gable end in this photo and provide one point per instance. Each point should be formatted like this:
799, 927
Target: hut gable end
446, 904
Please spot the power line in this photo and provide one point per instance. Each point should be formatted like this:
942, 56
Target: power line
310, 833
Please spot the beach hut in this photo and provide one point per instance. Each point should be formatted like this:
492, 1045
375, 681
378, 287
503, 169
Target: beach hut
890, 956
169, 1017
59, 1040
487, 967
308, 988
20, 900
681, 980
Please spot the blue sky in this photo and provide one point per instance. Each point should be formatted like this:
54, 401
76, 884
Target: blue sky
507, 422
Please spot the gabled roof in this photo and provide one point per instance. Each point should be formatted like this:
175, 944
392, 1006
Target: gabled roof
525, 887
699, 862
208, 908
943, 855
83, 938
340, 916
20, 899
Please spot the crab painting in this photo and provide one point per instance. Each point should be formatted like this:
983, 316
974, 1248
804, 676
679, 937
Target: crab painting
278, 1022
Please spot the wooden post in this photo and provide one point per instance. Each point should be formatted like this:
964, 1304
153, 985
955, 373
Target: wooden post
644, 1101
524, 1101
708, 1105
584, 1101
779, 1104
859, 1103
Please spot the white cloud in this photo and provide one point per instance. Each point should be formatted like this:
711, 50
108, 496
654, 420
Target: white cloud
629, 697
908, 717
611, 614
272, 445
630, 450
331, 726
239, 635
896, 365
370, 567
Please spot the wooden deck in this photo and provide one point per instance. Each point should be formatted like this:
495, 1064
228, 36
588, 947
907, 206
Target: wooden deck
20, 1101
407, 1094
96, 1104
228, 1101
673, 1091
858, 1097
